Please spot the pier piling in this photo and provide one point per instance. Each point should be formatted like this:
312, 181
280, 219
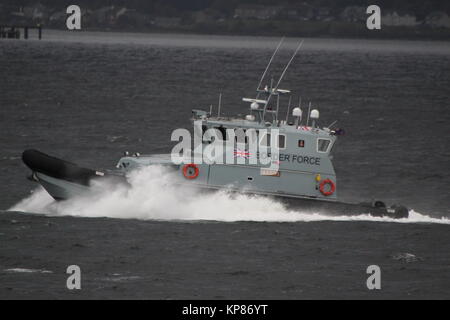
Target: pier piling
13, 31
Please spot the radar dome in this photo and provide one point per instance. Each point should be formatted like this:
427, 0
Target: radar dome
314, 114
254, 106
297, 112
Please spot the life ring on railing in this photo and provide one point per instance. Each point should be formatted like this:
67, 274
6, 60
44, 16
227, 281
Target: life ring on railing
322, 187
190, 171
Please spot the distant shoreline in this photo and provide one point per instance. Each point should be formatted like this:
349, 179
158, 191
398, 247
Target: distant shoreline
316, 30
52, 33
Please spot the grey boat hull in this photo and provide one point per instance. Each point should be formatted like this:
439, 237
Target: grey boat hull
64, 180
327, 207
60, 189
376, 209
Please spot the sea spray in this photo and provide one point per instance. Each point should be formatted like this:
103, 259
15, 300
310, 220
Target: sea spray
155, 194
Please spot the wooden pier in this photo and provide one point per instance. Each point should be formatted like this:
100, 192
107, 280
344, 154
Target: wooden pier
13, 32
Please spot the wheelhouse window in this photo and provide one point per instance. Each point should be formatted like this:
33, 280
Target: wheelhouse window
281, 141
323, 145
239, 139
265, 141
223, 132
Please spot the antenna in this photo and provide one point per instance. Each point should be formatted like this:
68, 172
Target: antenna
278, 107
270, 62
220, 104
289, 107
289, 63
210, 110
282, 75
332, 124
309, 111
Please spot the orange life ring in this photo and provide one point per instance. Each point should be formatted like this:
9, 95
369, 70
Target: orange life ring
322, 187
190, 175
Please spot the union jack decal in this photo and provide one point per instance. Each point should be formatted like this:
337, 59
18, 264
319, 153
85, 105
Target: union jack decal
241, 154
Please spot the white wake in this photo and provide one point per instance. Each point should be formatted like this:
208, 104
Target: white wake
154, 196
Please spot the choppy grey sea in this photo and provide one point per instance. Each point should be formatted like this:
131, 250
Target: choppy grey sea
87, 97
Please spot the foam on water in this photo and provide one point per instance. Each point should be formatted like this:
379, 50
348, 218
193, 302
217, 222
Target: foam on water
154, 196
25, 270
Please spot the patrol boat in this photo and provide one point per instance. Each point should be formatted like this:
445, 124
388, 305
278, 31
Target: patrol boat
298, 171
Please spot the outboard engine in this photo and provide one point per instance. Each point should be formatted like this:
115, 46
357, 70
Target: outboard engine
398, 212
379, 209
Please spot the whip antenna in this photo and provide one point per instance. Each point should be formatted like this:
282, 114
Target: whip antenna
220, 104
288, 64
309, 111
270, 62
288, 109
282, 75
